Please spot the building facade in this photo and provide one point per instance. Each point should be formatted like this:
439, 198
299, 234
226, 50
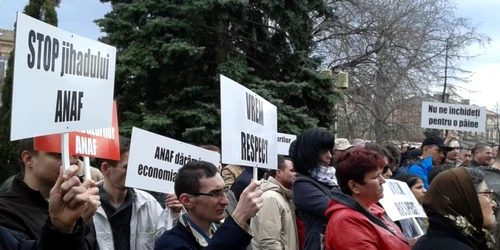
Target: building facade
6, 46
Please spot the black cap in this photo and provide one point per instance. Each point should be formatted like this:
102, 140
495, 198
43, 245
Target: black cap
434, 140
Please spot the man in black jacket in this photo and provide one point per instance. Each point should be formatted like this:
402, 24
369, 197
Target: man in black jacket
64, 229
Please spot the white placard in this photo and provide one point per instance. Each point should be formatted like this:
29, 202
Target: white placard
284, 141
58, 86
399, 202
249, 127
155, 160
436, 115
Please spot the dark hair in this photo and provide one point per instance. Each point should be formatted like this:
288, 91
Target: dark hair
380, 150
409, 179
477, 177
211, 148
437, 170
394, 152
281, 165
27, 144
188, 178
307, 148
124, 148
479, 147
354, 165
292, 149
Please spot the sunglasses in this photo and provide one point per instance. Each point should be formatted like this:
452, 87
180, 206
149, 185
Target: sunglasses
386, 168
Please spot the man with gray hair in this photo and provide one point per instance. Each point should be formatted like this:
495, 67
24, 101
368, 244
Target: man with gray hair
358, 143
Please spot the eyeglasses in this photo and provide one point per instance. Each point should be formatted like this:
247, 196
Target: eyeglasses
386, 168
489, 194
216, 193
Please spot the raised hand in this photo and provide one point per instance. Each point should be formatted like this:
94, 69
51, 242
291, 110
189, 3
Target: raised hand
173, 203
68, 199
94, 201
250, 203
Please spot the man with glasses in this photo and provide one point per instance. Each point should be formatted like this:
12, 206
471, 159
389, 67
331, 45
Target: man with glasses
200, 188
452, 155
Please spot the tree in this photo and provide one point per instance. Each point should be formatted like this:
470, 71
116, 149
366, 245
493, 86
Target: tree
394, 50
170, 55
43, 10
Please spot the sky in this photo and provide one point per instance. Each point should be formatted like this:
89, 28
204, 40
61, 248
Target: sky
77, 16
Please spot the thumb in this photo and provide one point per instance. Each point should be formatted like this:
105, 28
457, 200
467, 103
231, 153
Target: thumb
60, 179
253, 185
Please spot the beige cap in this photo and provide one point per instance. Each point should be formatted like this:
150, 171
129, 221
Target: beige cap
342, 144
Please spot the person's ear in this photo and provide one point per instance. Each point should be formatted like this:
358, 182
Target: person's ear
27, 158
186, 200
354, 186
105, 167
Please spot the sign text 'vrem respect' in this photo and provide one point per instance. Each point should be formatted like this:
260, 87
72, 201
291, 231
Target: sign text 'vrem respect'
155, 160
252, 119
399, 201
453, 116
71, 77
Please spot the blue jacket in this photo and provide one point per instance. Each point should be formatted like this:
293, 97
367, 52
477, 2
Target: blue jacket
422, 169
50, 239
229, 236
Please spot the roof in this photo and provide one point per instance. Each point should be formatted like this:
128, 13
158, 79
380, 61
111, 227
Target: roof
7, 35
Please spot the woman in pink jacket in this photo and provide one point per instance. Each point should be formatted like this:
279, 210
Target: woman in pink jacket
354, 220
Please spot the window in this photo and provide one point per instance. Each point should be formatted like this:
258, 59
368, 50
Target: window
3, 67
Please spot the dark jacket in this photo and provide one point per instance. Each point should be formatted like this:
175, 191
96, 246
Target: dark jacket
50, 239
311, 199
244, 179
229, 236
442, 234
25, 211
7, 184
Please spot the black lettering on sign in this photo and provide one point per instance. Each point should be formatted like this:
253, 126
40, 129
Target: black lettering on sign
284, 139
181, 159
69, 105
406, 208
255, 109
85, 145
164, 154
253, 148
156, 173
44, 51
395, 188
78, 63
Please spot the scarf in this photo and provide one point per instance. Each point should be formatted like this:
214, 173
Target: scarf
452, 195
325, 175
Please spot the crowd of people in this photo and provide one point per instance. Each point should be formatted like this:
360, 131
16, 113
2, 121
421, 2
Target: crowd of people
325, 194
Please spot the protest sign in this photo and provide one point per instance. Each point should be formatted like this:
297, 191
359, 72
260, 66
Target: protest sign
284, 141
399, 202
437, 115
155, 160
249, 127
62, 82
101, 143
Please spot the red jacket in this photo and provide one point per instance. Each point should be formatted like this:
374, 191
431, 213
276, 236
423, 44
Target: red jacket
301, 232
348, 229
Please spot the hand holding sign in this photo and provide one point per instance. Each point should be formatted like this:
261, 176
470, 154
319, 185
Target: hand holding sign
173, 203
68, 199
250, 203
